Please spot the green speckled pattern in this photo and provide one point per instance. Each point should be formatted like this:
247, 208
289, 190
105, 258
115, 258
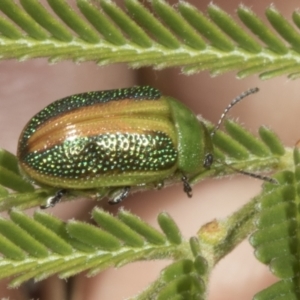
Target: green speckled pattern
106, 154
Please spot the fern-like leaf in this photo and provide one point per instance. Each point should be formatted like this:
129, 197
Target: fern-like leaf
162, 36
276, 240
9, 173
41, 246
179, 280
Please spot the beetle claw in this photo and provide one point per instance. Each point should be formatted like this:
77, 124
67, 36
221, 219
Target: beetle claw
121, 196
52, 201
186, 186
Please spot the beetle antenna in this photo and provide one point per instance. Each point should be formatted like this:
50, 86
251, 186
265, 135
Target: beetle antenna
257, 176
232, 103
227, 109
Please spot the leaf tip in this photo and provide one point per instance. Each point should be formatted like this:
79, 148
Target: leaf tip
211, 5
244, 8
272, 8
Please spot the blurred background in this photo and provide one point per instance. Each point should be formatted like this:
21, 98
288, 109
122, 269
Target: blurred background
27, 87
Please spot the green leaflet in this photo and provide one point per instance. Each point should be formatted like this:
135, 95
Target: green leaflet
160, 36
276, 240
41, 246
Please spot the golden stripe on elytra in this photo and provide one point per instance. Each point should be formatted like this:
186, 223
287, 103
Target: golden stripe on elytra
88, 115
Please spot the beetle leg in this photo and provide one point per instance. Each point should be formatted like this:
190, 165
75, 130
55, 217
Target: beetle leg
208, 160
121, 196
159, 185
186, 186
51, 201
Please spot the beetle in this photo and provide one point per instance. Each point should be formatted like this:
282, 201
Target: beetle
108, 142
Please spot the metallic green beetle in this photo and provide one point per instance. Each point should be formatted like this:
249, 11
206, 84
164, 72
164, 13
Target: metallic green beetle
111, 141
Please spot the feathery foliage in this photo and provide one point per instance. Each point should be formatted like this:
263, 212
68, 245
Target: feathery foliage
276, 240
161, 36
43, 245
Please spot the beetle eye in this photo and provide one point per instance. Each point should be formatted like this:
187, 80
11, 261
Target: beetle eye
208, 160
